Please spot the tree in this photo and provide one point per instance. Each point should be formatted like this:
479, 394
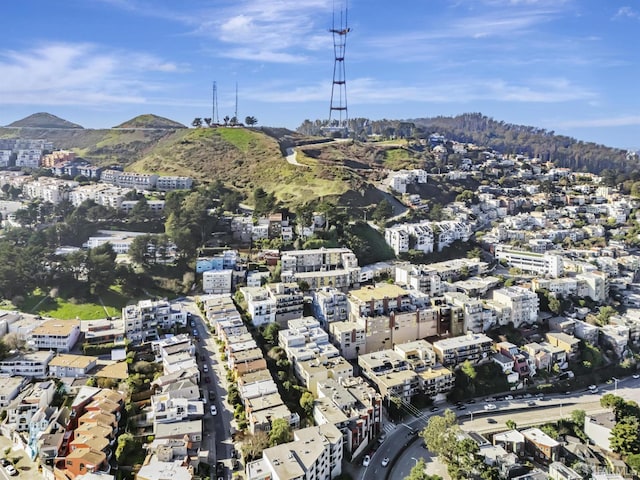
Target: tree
126, 444
633, 461
511, 425
270, 333
306, 402
555, 305
13, 341
440, 434
418, 472
605, 313
139, 249
100, 271
383, 210
577, 417
250, 120
280, 432
624, 436
253, 445
197, 122
207, 121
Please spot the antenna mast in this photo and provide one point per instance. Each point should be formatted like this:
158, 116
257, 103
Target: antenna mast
338, 113
235, 115
214, 105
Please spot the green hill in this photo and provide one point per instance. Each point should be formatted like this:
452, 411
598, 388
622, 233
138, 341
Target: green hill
43, 120
150, 121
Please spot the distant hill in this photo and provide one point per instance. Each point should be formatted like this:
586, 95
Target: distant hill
536, 142
150, 121
43, 120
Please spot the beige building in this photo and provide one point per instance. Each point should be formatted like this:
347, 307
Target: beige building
59, 335
315, 453
473, 347
310, 372
67, 365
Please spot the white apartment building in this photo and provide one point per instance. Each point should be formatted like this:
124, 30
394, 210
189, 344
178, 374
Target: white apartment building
542, 264
29, 158
596, 285
50, 190
5, 158
33, 364
261, 307
523, 304
143, 319
58, 335
323, 267
217, 281
425, 236
315, 453
120, 241
473, 347
330, 305
139, 181
173, 183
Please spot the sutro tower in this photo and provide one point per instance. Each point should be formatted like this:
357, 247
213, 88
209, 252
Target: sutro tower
338, 113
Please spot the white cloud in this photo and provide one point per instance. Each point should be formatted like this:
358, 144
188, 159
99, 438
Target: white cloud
626, 12
77, 74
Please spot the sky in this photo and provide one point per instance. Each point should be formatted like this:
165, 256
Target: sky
570, 66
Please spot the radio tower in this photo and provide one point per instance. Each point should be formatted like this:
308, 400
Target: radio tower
338, 113
214, 105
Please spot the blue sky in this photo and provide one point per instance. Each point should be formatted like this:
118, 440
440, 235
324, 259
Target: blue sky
571, 66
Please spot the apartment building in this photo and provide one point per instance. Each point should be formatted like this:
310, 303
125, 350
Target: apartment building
420, 278
260, 305
522, 303
49, 190
477, 316
138, 181
315, 453
330, 305
103, 331
143, 319
217, 281
353, 407
10, 387
545, 264
67, 365
349, 338
29, 158
5, 158
35, 397
58, 335
32, 364
568, 343
310, 372
289, 301
323, 267
475, 347
169, 183
426, 236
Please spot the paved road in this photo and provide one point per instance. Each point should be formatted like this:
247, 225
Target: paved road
218, 428
401, 448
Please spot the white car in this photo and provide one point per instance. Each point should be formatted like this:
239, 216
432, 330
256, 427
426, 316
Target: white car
366, 461
490, 406
509, 397
214, 410
385, 461
11, 470
205, 368
636, 376
593, 387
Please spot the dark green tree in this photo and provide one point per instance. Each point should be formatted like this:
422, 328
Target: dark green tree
280, 432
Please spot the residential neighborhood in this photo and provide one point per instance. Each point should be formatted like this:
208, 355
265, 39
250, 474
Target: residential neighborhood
285, 357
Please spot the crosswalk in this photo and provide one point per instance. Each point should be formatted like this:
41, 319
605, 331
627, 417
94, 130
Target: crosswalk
389, 427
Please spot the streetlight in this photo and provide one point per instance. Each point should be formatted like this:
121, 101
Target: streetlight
615, 384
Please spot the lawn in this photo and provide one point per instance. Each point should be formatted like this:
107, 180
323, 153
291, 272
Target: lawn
66, 309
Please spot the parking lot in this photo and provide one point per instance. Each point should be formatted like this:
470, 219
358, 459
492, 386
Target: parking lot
27, 470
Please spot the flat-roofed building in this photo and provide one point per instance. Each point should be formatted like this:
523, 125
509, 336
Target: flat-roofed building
475, 347
310, 372
102, 331
58, 335
540, 445
32, 364
349, 338
67, 365
10, 388
315, 453
568, 343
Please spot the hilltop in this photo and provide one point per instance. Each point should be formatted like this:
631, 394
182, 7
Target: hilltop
150, 121
43, 120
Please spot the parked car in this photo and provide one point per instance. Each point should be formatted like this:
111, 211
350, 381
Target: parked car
219, 469
382, 438
205, 368
635, 375
11, 470
385, 461
366, 461
490, 406
509, 397
531, 403
434, 409
214, 410
4, 462
461, 407
471, 400
593, 387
